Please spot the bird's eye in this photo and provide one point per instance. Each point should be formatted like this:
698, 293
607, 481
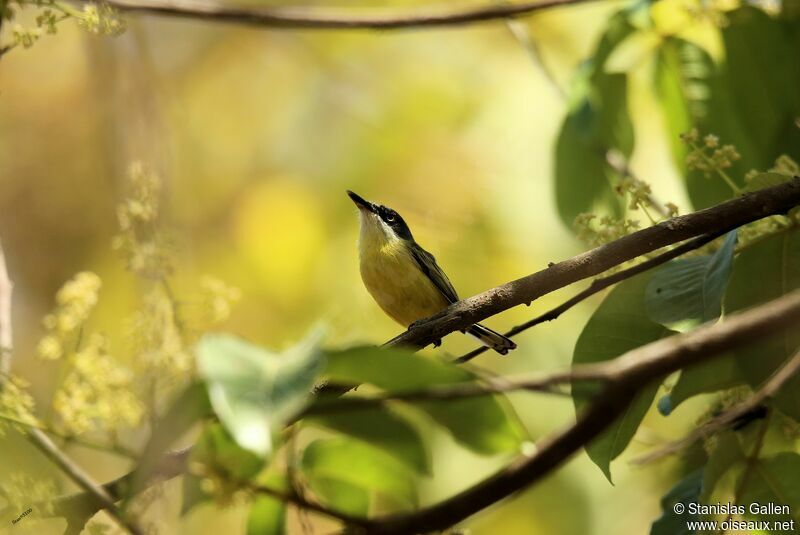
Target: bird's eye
390, 218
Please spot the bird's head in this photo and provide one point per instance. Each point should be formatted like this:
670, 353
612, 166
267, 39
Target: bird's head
380, 222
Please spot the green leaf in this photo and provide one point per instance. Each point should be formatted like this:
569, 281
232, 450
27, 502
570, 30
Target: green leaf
189, 407
484, 424
267, 515
748, 100
716, 374
684, 492
762, 272
618, 325
255, 392
329, 462
341, 495
383, 428
689, 291
726, 454
598, 122
775, 480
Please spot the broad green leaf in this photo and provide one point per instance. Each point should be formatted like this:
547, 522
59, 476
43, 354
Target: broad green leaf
684, 492
383, 428
341, 495
598, 121
774, 480
267, 515
712, 375
748, 100
762, 272
618, 325
189, 407
726, 454
689, 291
255, 392
361, 466
484, 424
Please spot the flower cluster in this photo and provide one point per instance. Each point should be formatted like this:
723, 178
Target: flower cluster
138, 240
218, 298
784, 165
101, 19
96, 392
15, 404
638, 190
74, 302
21, 489
95, 18
596, 232
709, 156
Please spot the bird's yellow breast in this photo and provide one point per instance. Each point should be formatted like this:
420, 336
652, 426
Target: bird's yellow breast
396, 282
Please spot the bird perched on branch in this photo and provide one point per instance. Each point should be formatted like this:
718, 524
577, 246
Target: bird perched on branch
402, 277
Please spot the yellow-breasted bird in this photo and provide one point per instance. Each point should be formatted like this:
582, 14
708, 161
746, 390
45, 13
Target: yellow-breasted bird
402, 277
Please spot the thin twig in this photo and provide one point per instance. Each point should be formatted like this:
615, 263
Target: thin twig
498, 385
70, 439
302, 18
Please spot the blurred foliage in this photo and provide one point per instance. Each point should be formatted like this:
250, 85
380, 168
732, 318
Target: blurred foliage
238, 222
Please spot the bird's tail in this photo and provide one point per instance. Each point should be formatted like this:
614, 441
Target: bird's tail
491, 339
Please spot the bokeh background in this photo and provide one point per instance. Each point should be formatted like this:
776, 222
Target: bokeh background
257, 134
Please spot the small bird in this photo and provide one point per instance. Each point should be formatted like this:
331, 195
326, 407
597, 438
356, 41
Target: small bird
402, 277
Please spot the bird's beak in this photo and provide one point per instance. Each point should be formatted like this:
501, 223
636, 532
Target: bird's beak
361, 202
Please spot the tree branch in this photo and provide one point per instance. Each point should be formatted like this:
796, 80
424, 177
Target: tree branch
731, 214
6, 329
601, 284
288, 18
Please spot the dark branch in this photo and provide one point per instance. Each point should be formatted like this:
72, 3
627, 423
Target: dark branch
731, 214
287, 18
601, 284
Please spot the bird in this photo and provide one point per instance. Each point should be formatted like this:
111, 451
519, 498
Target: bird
402, 277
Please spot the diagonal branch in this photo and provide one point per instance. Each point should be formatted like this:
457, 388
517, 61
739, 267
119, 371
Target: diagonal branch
301, 18
601, 284
731, 214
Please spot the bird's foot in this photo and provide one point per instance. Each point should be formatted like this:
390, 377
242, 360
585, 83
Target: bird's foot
437, 343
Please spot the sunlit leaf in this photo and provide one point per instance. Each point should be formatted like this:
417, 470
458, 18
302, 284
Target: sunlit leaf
255, 391
689, 291
383, 428
485, 424
618, 325
686, 491
361, 466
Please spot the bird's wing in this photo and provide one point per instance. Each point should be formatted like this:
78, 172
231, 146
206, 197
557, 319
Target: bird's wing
427, 263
